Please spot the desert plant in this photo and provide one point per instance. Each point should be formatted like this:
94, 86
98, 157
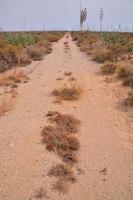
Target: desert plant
40, 193
5, 106
67, 123
128, 81
114, 38
53, 37
103, 55
68, 93
108, 68
121, 70
35, 54
130, 98
65, 177
67, 73
15, 75
20, 39
117, 50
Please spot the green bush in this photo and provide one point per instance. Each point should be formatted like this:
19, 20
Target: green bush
20, 39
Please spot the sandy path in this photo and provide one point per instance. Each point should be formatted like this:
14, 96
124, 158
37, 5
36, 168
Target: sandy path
106, 154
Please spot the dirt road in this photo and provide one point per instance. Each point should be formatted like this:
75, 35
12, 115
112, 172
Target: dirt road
106, 153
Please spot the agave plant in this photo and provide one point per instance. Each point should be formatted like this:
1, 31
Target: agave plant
114, 38
20, 39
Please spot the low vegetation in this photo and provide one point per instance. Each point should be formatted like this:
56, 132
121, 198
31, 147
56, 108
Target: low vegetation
64, 175
12, 77
5, 106
19, 48
113, 50
108, 68
58, 138
67, 73
130, 98
68, 93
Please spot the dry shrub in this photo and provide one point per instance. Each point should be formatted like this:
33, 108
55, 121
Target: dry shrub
75, 38
59, 79
35, 54
40, 193
121, 70
62, 185
69, 157
68, 93
130, 98
51, 113
65, 43
65, 177
67, 73
53, 37
5, 106
57, 138
61, 143
117, 50
128, 81
72, 79
61, 170
44, 46
108, 68
66, 123
104, 55
15, 75
127, 75
24, 59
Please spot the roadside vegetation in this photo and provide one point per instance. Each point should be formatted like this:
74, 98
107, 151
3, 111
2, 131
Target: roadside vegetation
114, 51
68, 93
19, 48
59, 137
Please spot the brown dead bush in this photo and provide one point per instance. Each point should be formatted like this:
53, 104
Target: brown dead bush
65, 177
57, 139
40, 193
61, 170
128, 81
121, 70
59, 142
66, 146
103, 55
5, 106
130, 98
15, 75
65, 122
68, 93
35, 53
53, 37
72, 79
108, 68
67, 73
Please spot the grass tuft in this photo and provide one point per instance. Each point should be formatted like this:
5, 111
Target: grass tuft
70, 93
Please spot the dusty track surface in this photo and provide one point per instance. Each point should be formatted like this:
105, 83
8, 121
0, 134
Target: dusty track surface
106, 153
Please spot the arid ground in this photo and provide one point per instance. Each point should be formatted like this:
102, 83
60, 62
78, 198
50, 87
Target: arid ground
104, 170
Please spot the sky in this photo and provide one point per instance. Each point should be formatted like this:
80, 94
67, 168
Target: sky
64, 14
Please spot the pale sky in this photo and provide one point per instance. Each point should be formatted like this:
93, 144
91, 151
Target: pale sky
63, 14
